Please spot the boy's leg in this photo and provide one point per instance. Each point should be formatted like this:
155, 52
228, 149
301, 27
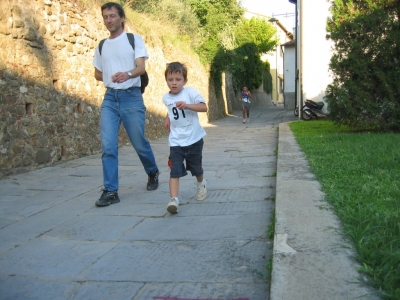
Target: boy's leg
201, 192
175, 162
173, 203
200, 178
194, 165
174, 187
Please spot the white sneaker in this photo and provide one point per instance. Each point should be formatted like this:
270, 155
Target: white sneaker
248, 120
244, 121
173, 205
201, 191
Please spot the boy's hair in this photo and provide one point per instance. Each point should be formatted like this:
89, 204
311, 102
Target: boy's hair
176, 67
118, 7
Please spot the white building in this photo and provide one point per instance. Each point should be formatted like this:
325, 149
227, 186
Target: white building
314, 51
289, 74
276, 61
275, 58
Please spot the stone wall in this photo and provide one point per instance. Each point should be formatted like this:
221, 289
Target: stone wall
49, 99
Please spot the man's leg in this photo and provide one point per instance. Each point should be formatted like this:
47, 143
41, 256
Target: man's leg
109, 127
133, 114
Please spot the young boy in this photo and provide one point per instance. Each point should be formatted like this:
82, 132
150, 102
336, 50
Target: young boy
246, 95
186, 134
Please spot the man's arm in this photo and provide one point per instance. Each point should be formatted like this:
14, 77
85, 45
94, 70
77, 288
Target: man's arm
139, 70
140, 67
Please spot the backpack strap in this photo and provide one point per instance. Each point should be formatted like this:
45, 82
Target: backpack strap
131, 39
101, 45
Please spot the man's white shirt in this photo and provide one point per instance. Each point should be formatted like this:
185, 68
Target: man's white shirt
117, 55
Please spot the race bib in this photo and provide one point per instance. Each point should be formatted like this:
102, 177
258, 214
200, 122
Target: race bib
245, 100
179, 118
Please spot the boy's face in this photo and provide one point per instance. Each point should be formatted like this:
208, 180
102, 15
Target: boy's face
175, 82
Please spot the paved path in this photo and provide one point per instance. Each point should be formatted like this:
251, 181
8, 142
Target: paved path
55, 244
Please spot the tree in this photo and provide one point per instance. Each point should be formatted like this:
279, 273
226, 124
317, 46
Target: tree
258, 32
365, 91
215, 16
253, 38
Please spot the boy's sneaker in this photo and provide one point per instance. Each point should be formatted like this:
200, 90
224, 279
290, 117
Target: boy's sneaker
201, 191
107, 198
244, 121
152, 182
173, 206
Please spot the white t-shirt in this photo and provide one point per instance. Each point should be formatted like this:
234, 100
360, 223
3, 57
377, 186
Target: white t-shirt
117, 55
185, 126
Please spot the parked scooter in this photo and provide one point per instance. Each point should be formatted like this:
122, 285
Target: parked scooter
311, 110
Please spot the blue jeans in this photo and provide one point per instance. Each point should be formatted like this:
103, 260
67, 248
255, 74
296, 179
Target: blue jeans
124, 106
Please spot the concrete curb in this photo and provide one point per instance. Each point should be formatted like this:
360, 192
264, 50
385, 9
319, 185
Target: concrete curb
311, 259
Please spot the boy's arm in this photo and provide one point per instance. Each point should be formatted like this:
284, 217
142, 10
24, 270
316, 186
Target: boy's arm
167, 123
198, 107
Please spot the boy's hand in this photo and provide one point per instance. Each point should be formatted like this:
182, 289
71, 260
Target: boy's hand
167, 123
181, 105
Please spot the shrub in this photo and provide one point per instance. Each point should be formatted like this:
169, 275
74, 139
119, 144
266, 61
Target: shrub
365, 90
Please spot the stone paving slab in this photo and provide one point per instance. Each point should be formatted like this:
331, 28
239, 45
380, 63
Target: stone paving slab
225, 261
242, 194
132, 208
53, 257
55, 244
188, 291
29, 228
200, 228
95, 227
228, 208
103, 290
36, 288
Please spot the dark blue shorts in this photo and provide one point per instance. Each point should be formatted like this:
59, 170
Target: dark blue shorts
245, 104
191, 154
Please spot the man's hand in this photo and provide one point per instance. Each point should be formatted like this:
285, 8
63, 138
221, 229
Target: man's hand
120, 77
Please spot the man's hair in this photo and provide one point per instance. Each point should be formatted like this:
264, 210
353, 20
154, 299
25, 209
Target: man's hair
176, 67
118, 7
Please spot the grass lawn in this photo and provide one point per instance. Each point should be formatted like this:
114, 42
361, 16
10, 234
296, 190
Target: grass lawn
360, 175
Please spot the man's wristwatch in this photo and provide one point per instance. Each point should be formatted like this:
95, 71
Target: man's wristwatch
129, 74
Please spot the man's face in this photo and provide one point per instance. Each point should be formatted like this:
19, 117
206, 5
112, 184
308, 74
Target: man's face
112, 20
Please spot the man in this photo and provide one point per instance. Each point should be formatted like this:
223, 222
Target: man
119, 66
